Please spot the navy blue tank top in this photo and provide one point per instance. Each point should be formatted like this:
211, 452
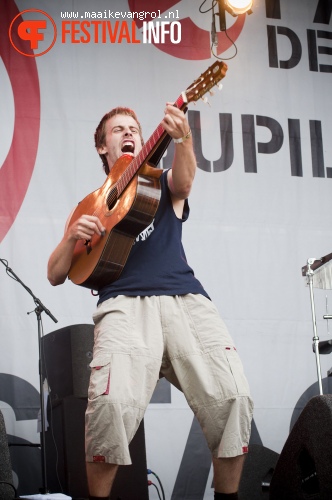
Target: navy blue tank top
157, 264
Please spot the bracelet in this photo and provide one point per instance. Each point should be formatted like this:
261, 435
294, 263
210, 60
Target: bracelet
182, 139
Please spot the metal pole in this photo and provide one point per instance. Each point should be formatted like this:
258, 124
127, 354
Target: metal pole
315, 337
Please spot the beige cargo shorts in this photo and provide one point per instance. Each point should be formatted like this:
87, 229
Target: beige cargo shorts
140, 339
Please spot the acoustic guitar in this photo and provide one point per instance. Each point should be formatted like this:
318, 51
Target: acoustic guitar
127, 201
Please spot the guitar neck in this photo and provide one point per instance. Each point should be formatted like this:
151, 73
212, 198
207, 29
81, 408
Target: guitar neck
147, 150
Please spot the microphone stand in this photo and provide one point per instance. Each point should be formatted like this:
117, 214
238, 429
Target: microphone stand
38, 310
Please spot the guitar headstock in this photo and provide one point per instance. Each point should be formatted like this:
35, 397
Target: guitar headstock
206, 81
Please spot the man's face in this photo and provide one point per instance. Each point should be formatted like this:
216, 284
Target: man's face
122, 136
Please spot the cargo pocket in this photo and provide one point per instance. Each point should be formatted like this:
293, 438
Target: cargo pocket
236, 369
99, 378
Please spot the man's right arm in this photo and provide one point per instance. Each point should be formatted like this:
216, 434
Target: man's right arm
60, 260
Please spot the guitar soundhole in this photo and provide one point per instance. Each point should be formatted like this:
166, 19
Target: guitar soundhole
112, 198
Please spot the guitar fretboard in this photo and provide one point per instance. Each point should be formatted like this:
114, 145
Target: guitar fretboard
146, 152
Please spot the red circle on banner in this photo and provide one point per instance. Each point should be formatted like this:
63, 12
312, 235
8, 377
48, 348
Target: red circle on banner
16, 171
19, 16
195, 42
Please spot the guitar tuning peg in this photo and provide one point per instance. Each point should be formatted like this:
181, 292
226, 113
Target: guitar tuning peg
205, 100
219, 85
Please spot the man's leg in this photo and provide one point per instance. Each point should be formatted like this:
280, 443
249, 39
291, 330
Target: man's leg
227, 473
124, 374
100, 478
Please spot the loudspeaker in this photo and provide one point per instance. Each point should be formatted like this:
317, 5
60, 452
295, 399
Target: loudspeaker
7, 490
303, 470
66, 356
257, 472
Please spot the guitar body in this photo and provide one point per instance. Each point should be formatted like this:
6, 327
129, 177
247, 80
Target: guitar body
100, 261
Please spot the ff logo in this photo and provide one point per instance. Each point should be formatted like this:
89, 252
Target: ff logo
33, 31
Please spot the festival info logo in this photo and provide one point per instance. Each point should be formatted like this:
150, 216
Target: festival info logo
23, 87
195, 42
34, 29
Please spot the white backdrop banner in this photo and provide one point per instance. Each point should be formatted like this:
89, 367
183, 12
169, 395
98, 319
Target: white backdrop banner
260, 207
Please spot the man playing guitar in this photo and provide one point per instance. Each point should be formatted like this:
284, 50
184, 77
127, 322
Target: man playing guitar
156, 320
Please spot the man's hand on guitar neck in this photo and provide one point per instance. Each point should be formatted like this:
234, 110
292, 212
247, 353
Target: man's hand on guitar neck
175, 122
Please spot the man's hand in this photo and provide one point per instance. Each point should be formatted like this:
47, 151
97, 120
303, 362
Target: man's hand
175, 122
85, 227
60, 261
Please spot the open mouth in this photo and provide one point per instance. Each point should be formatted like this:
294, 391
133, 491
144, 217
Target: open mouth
128, 147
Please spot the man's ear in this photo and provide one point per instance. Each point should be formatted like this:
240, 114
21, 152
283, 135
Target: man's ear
102, 150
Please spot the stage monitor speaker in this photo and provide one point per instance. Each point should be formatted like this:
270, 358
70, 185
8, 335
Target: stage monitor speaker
257, 472
66, 357
303, 470
7, 489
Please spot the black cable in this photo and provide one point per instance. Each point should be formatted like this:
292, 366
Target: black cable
225, 58
214, 3
214, 32
149, 471
151, 483
8, 270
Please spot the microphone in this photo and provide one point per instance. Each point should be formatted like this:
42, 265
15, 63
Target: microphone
214, 36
